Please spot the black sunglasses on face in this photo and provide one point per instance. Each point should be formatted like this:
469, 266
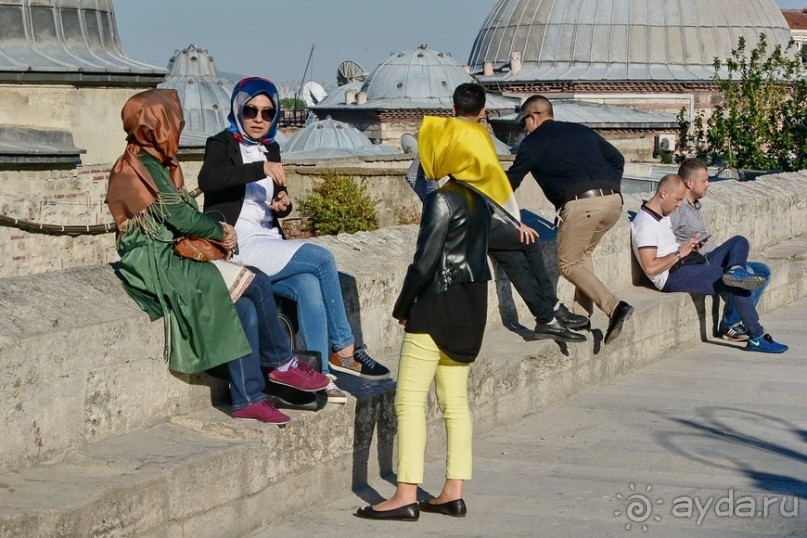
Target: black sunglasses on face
251, 112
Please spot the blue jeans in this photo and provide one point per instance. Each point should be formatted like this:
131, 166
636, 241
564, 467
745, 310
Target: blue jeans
270, 347
707, 279
730, 314
310, 279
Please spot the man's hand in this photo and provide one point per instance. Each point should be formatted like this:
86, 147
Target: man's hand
280, 202
528, 235
690, 245
275, 171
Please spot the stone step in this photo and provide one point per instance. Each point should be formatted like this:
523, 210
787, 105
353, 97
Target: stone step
204, 474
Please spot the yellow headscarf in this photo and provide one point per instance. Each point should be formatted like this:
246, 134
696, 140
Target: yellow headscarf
463, 149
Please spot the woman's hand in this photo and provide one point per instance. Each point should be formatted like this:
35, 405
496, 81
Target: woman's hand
230, 241
275, 171
281, 202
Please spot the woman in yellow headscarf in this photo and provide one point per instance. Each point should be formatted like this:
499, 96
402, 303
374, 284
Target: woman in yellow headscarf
443, 303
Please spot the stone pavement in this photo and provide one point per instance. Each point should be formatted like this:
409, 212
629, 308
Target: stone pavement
673, 448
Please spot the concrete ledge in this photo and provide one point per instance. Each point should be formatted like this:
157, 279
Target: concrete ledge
205, 474
88, 448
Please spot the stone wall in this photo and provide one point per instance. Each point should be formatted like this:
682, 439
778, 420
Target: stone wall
79, 362
91, 114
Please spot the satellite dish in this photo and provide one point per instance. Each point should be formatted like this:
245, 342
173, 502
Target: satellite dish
313, 93
349, 71
409, 144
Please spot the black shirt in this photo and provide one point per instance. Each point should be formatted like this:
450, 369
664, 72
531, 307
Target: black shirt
567, 159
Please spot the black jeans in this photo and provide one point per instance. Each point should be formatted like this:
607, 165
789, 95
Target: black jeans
524, 265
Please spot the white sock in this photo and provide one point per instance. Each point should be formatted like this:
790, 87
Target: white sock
554, 323
292, 362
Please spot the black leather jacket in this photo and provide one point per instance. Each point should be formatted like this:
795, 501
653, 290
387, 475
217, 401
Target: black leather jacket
452, 245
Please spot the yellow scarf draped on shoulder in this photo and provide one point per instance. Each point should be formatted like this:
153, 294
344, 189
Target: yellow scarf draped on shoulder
463, 149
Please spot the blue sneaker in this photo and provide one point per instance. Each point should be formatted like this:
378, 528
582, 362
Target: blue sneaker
740, 278
765, 344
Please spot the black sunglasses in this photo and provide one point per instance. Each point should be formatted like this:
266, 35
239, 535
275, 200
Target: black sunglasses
523, 119
251, 112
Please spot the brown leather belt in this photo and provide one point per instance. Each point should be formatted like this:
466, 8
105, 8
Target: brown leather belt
593, 193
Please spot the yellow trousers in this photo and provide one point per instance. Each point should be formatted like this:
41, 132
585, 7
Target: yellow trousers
421, 363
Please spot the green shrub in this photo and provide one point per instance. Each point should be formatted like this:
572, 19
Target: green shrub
340, 204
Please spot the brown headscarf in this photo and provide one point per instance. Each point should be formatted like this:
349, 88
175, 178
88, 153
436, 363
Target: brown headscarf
153, 121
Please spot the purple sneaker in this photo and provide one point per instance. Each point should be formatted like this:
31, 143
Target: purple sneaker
300, 376
262, 411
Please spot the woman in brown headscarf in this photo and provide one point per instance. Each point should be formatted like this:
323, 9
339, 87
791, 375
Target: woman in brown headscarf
151, 208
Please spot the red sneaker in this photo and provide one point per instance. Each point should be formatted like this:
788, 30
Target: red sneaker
301, 377
262, 411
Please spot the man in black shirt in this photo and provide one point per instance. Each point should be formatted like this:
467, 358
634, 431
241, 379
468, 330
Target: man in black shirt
580, 173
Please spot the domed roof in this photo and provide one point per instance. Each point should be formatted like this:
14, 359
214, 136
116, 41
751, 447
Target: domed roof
57, 41
419, 78
205, 97
331, 138
620, 40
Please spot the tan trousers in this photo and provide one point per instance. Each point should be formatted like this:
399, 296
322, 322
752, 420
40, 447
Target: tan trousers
583, 224
421, 364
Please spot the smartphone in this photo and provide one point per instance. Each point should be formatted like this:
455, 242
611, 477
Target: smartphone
704, 238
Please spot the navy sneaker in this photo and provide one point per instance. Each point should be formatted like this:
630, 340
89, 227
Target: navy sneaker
765, 344
740, 278
360, 365
735, 333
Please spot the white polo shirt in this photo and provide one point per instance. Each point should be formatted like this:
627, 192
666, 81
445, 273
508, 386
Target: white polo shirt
649, 229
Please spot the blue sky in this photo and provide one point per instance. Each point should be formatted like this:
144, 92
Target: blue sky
273, 38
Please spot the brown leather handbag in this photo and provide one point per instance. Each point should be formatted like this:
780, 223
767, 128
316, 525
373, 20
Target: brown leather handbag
201, 250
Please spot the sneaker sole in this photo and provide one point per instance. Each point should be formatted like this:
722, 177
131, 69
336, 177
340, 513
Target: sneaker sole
301, 389
758, 350
617, 330
264, 421
339, 400
730, 338
748, 284
355, 373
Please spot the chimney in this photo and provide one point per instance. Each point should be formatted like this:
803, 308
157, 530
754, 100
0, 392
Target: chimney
350, 97
487, 69
467, 69
361, 98
515, 62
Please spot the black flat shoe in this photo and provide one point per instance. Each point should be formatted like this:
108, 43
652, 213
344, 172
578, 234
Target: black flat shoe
622, 313
569, 320
559, 333
410, 512
454, 508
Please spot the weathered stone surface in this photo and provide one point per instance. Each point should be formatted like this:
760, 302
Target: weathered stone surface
82, 372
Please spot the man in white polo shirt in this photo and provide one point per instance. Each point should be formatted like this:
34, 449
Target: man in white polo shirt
674, 266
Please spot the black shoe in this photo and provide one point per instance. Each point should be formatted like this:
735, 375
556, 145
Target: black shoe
455, 508
557, 332
569, 320
410, 512
622, 313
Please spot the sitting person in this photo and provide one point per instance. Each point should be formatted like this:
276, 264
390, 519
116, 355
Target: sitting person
515, 250
678, 266
688, 220
242, 178
443, 308
151, 209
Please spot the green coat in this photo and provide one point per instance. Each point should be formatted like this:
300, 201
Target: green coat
201, 325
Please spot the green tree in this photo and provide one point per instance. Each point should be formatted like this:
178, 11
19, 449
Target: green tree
287, 103
340, 204
760, 121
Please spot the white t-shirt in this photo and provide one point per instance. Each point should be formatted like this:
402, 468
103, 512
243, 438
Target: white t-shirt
649, 229
255, 225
